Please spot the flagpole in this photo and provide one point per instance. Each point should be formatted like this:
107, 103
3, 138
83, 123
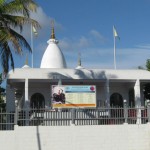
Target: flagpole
32, 45
114, 52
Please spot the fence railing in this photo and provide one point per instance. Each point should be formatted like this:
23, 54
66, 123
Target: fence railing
67, 117
7, 121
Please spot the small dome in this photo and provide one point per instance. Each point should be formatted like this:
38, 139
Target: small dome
26, 66
80, 67
53, 56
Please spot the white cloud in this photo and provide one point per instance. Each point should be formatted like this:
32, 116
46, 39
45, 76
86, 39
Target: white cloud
83, 42
132, 57
65, 44
128, 58
69, 44
45, 22
41, 17
143, 46
96, 35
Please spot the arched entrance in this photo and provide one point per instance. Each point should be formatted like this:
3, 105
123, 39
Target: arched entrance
37, 101
116, 100
146, 92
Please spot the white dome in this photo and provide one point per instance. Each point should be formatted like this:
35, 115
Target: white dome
26, 66
53, 56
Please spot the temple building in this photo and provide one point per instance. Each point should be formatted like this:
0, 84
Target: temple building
32, 87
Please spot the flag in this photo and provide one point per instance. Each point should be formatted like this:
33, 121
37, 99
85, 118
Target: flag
115, 33
34, 31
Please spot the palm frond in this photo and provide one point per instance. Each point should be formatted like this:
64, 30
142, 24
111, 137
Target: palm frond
14, 38
18, 41
20, 6
16, 21
14, 14
6, 56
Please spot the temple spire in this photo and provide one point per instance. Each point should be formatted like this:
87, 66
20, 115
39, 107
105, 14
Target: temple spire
26, 62
52, 30
79, 62
79, 59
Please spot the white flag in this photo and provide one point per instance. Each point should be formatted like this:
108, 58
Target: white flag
115, 33
34, 31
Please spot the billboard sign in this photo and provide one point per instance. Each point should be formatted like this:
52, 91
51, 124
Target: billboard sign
69, 96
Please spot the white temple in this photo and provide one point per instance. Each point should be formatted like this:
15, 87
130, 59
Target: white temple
31, 87
53, 56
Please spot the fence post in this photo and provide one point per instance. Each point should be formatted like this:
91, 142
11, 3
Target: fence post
16, 113
73, 116
27, 109
125, 111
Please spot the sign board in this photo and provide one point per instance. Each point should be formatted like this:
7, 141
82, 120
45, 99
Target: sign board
70, 96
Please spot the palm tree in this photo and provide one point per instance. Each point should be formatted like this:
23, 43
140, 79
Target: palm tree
14, 14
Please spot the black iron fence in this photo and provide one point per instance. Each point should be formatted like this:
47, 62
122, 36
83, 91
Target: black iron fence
67, 117
7, 120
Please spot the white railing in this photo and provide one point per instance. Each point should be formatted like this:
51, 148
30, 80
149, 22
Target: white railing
66, 117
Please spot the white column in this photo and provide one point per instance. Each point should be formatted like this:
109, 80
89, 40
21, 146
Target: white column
137, 93
26, 104
107, 94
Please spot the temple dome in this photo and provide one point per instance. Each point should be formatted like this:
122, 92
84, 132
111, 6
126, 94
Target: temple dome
53, 56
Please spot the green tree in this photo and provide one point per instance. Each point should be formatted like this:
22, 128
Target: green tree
148, 64
14, 14
141, 67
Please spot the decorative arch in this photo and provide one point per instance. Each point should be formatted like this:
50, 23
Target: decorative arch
116, 100
146, 92
37, 101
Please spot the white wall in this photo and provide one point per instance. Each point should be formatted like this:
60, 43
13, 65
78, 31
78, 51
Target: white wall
111, 137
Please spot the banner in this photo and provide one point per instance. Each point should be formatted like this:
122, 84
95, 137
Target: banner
70, 96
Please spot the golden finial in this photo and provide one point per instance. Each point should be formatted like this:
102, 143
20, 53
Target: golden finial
52, 30
26, 62
79, 59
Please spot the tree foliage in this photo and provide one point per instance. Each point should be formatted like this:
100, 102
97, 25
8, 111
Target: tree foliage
148, 64
141, 67
14, 14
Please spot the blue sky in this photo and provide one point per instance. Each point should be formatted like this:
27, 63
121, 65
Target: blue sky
85, 26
